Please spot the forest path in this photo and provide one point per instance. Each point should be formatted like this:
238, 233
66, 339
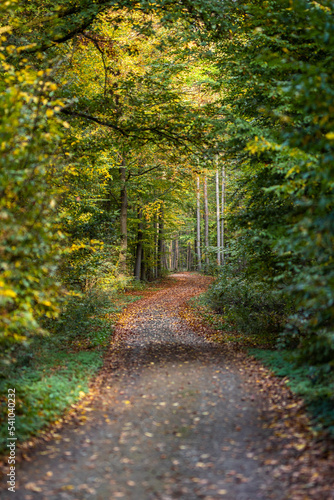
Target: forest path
174, 418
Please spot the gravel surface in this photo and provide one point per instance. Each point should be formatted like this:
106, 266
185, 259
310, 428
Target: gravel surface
172, 419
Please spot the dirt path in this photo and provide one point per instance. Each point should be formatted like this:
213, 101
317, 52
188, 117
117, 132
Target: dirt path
174, 419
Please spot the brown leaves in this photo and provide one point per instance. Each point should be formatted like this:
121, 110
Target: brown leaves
177, 405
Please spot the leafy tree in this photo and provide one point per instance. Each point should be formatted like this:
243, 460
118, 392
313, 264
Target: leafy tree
277, 115
30, 234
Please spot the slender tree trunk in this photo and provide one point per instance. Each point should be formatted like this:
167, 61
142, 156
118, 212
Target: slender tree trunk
206, 221
218, 214
177, 254
198, 239
155, 251
160, 241
124, 219
222, 229
165, 255
139, 249
143, 265
189, 256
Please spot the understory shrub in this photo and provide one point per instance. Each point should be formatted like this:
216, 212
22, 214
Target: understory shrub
85, 315
53, 370
247, 305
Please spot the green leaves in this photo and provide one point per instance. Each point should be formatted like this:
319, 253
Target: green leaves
29, 236
278, 107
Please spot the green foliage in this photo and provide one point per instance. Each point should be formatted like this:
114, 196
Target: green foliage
88, 318
248, 306
251, 81
278, 123
29, 235
54, 371
52, 381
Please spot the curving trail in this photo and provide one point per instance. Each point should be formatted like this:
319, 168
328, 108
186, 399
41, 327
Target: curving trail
174, 418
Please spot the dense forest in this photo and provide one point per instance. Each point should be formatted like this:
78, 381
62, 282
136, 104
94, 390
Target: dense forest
139, 138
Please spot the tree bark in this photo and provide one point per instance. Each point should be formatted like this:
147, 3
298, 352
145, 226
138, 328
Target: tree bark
139, 249
165, 257
177, 254
143, 266
218, 214
189, 256
160, 242
198, 238
155, 251
206, 221
124, 219
222, 229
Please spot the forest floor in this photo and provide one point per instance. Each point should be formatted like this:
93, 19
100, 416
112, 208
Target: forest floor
175, 415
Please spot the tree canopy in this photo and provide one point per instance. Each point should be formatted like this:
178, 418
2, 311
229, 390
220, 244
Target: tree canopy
110, 112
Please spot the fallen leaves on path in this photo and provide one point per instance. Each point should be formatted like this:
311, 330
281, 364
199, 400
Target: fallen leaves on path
183, 401
309, 467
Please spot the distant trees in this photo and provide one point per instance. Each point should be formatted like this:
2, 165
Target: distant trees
108, 110
94, 152
277, 132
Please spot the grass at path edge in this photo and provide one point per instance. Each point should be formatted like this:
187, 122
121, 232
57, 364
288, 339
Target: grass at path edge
313, 387
55, 371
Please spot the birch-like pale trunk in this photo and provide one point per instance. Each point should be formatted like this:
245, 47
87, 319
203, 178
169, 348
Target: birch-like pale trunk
198, 237
173, 255
222, 230
206, 220
218, 214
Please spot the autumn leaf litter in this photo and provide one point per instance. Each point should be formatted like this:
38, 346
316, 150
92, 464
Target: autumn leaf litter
174, 414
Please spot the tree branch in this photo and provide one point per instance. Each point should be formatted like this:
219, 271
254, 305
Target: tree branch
145, 172
78, 114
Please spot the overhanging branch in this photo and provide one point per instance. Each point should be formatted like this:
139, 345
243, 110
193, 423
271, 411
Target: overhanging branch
91, 118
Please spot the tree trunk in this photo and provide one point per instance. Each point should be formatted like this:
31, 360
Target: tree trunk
143, 266
165, 255
198, 238
139, 249
124, 219
160, 242
155, 250
206, 221
218, 214
222, 229
177, 254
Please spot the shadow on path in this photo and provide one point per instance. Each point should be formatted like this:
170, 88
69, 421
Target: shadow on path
173, 419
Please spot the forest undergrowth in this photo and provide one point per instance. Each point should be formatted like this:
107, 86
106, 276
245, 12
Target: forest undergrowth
304, 380
54, 371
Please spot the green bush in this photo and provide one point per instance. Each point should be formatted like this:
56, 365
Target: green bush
249, 306
53, 371
89, 317
84, 316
